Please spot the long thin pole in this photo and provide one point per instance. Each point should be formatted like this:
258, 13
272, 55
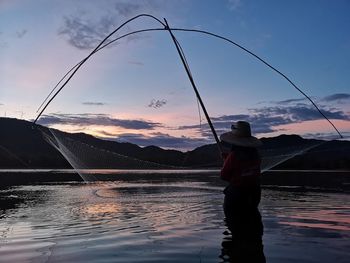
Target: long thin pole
178, 48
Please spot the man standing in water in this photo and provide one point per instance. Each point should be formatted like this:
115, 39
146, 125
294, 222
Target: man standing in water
242, 196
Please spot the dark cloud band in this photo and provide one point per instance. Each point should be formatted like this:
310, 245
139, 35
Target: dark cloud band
96, 119
163, 140
337, 97
268, 119
91, 103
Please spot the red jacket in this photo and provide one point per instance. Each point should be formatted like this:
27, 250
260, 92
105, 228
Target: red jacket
243, 173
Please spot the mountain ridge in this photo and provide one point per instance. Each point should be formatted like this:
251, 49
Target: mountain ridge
22, 147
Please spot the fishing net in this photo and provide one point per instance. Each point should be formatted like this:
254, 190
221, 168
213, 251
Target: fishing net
90, 161
160, 110
85, 158
274, 156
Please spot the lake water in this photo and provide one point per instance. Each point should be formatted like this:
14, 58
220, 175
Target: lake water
145, 218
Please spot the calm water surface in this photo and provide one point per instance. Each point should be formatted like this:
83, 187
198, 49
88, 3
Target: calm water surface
162, 219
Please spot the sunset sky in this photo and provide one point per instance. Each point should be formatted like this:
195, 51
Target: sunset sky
137, 90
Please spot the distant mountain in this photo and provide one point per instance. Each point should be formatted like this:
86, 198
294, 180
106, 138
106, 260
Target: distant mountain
22, 146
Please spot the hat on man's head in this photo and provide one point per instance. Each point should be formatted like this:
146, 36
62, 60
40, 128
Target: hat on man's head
240, 135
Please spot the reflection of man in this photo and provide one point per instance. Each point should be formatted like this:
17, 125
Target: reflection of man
244, 248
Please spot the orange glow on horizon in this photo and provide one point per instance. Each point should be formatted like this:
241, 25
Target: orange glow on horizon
305, 129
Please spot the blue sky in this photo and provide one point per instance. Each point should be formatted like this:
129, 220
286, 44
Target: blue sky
137, 90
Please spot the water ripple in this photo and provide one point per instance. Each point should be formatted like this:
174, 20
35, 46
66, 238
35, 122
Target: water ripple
159, 222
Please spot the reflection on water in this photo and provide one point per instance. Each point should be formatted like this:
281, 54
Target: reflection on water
246, 244
164, 221
330, 218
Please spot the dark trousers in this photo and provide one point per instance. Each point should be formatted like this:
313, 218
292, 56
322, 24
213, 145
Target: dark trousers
243, 218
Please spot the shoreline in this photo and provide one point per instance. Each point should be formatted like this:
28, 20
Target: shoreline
303, 180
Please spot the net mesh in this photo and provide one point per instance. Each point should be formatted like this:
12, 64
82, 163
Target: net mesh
147, 105
86, 158
273, 157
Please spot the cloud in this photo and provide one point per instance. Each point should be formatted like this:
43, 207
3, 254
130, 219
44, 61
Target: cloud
163, 140
337, 97
327, 136
85, 32
225, 118
261, 123
268, 119
289, 101
157, 103
3, 43
21, 33
299, 113
17, 34
159, 139
136, 63
234, 4
91, 103
88, 119
127, 8
107, 134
